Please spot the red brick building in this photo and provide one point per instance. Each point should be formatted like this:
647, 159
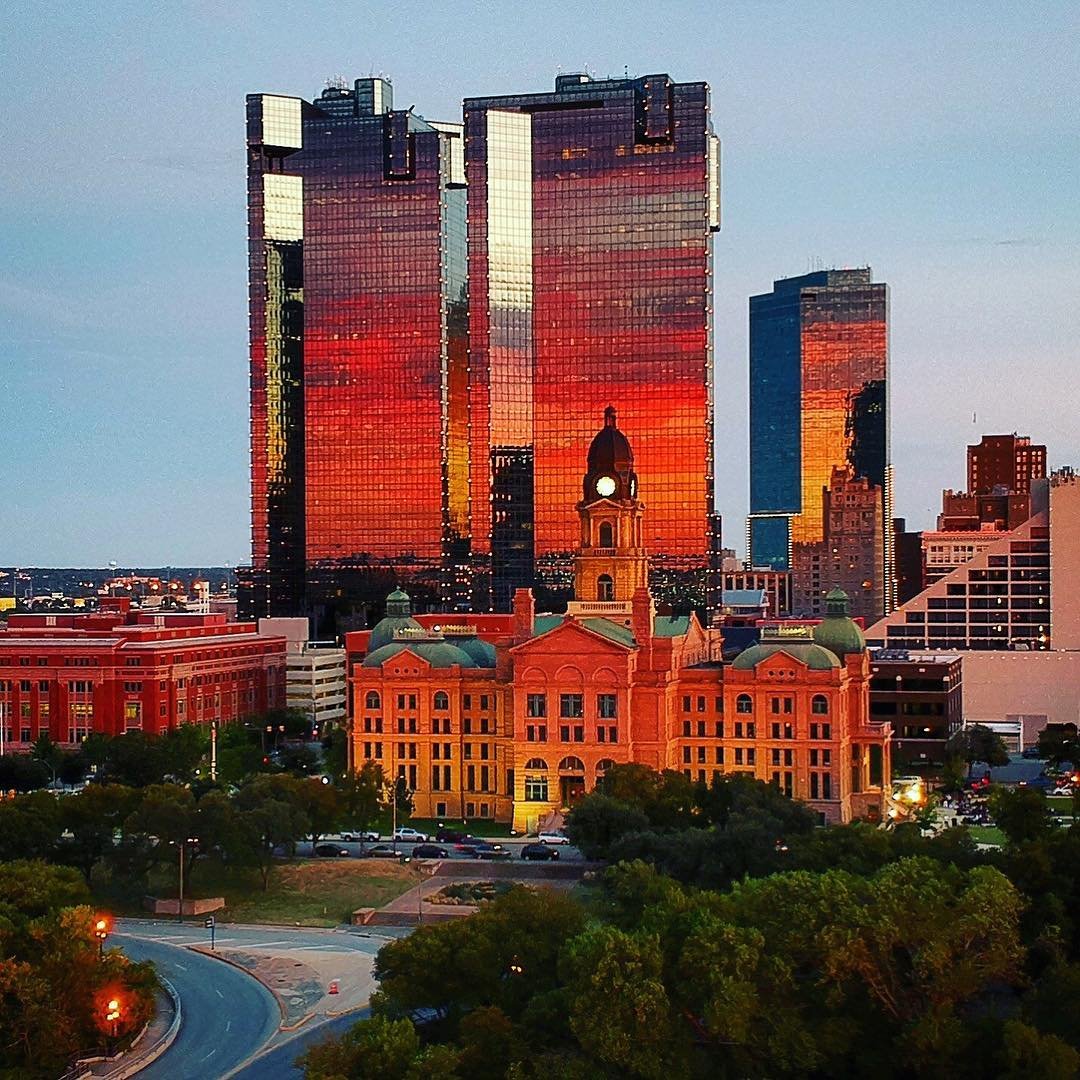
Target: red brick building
121, 670
513, 717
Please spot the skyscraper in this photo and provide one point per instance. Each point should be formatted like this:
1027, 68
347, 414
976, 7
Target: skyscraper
819, 403
359, 410
591, 212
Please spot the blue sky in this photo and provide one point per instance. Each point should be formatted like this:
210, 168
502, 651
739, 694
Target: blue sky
937, 142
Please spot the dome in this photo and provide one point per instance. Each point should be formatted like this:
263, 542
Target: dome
809, 653
398, 617
483, 652
610, 450
837, 632
439, 654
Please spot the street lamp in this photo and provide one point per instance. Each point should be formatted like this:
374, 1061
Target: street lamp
112, 1016
181, 846
101, 932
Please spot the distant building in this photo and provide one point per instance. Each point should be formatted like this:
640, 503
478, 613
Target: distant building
921, 696
819, 348
314, 675
908, 561
850, 554
776, 584
514, 717
1005, 462
69, 675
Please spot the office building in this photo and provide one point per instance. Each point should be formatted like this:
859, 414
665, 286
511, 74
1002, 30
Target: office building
119, 669
314, 673
818, 403
921, 696
514, 716
359, 411
1004, 462
591, 212
776, 584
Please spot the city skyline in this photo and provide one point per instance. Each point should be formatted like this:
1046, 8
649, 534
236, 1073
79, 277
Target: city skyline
126, 336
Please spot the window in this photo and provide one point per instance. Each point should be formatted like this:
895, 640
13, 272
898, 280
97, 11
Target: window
605, 589
371, 701
571, 764
536, 733
571, 705
686, 703
607, 536
536, 705
701, 729
720, 705
606, 706
536, 789
485, 702
536, 765
743, 704
442, 700
700, 703
719, 729
820, 705
686, 754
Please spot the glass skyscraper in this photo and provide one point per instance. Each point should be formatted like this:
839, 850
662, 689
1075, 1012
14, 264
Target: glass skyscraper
591, 213
359, 383
819, 403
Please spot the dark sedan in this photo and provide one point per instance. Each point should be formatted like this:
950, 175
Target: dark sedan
382, 851
331, 851
490, 852
539, 852
430, 851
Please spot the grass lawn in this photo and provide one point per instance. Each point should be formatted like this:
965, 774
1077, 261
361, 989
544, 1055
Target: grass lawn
322, 892
1060, 804
476, 826
987, 834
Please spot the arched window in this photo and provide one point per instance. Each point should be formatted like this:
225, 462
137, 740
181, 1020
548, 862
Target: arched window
442, 700
372, 700
607, 535
743, 704
571, 764
603, 766
536, 764
605, 587
819, 706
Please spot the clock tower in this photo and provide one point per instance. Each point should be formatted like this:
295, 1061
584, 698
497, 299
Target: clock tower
611, 564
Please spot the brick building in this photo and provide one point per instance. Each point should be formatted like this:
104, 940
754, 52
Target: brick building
120, 670
513, 717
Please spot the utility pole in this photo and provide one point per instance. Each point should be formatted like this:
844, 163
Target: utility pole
213, 750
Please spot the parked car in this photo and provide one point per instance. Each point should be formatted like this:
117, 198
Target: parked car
467, 843
450, 836
369, 836
430, 851
331, 851
490, 852
1062, 790
539, 852
552, 838
410, 835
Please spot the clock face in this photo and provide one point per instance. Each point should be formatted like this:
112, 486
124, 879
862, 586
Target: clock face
605, 486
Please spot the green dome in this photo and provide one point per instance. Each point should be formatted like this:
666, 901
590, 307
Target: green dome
807, 652
837, 631
483, 652
439, 654
398, 617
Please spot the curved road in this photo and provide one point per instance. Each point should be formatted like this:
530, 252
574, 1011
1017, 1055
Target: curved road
278, 1064
227, 1015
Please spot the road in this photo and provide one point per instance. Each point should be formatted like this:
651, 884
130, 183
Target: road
227, 1015
278, 1064
512, 844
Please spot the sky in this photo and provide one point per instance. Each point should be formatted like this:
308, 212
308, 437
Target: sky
938, 143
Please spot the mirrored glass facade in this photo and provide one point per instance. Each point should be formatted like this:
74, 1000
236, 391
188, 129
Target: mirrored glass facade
358, 355
591, 212
819, 403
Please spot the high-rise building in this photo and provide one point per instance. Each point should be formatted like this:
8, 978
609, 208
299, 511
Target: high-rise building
819, 401
591, 213
1008, 462
359, 410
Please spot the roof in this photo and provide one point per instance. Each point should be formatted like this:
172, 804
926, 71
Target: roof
604, 627
671, 625
804, 652
744, 597
439, 654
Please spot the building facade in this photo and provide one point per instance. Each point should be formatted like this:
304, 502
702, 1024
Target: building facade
1004, 462
512, 718
356, 218
70, 675
818, 402
921, 696
776, 584
591, 213
314, 673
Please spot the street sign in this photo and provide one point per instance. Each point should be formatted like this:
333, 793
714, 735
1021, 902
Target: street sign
210, 923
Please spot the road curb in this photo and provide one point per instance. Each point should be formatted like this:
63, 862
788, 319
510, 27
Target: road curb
204, 950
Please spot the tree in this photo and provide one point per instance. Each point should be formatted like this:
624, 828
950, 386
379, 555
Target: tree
1022, 813
19, 772
268, 817
335, 747
94, 818
29, 827
375, 1047
181, 750
978, 743
47, 753
321, 802
400, 798
361, 795
1060, 743
599, 820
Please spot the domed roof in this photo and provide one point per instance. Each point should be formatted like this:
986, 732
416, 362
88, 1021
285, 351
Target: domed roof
483, 652
398, 617
439, 654
837, 631
610, 451
807, 652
